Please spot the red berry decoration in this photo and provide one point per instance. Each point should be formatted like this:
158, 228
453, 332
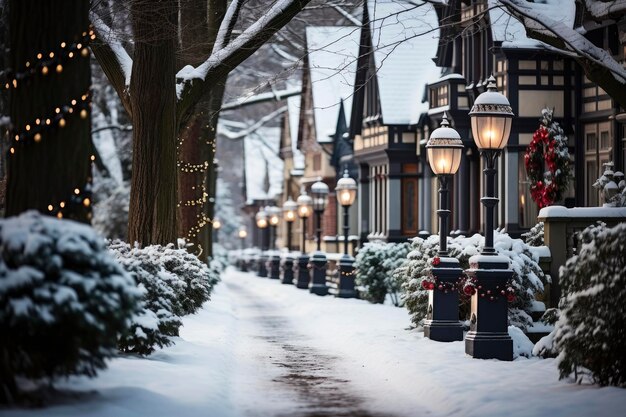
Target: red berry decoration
436, 261
510, 298
431, 286
425, 284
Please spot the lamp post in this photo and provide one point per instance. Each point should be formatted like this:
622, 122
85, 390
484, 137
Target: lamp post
243, 233
488, 337
289, 215
261, 222
346, 194
274, 261
304, 211
319, 193
444, 149
216, 227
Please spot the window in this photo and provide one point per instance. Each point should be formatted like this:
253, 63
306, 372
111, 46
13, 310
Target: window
410, 200
597, 153
317, 162
439, 96
528, 209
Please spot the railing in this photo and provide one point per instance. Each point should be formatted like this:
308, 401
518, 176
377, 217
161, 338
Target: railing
561, 228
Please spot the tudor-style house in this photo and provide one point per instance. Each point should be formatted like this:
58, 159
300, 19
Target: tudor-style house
397, 42
327, 81
487, 40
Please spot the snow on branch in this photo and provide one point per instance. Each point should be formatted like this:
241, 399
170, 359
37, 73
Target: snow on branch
232, 135
226, 27
546, 29
105, 34
605, 9
191, 81
276, 95
352, 19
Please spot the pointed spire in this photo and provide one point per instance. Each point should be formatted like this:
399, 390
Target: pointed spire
491, 83
444, 120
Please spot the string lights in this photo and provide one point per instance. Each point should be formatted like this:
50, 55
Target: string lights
52, 61
34, 131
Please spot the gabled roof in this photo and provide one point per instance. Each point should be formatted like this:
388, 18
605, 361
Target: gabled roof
293, 110
333, 54
405, 39
263, 164
510, 32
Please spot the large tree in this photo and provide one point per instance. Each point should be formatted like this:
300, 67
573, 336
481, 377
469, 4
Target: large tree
198, 89
48, 81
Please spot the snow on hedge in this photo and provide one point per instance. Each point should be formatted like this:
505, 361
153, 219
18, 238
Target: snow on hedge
528, 278
63, 300
174, 282
589, 333
374, 265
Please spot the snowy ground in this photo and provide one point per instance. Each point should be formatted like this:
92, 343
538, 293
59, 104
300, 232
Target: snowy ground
260, 348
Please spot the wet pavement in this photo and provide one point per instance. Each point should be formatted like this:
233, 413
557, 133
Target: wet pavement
308, 379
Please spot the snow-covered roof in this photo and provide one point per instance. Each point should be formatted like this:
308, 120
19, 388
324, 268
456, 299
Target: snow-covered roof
261, 152
511, 32
405, 38
333, 52
293, 109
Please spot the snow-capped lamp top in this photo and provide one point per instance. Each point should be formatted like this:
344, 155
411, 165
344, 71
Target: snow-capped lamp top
491, 117
444, 149
272, 213
261, 219
289, 210
304, 205
346, 189
319, 191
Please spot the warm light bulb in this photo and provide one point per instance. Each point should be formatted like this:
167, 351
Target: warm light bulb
83, 114
76, 191
50, 207
345, 197
59, 68
44, 70
84, 52
62, 123
37, 137
86, 202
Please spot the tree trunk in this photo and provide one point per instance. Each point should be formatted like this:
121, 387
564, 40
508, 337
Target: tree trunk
152, 213
199, 19
49, 163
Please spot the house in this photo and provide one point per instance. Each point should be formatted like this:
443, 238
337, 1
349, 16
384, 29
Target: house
397, 43
327, 81
263, 176
485, 40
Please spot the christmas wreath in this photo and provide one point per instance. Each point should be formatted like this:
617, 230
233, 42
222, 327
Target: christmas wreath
547, 162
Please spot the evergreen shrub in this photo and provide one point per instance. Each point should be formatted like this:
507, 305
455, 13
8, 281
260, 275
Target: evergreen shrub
63, 301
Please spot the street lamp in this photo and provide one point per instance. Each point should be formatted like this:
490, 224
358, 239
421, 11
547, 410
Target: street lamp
346, 194
488, 337
444, 149
261, 222
304, 211
243, 233
289, 215
273, 213
216, 227
319, 194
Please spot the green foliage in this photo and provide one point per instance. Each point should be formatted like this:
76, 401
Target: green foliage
534, 237
590, 333
63, 301
374, 265
528, 277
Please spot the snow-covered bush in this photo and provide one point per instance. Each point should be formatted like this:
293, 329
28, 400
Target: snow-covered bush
590, 333
63, 300
175, 283
374, 265
534, 237
220, 257
157, 321
528, 277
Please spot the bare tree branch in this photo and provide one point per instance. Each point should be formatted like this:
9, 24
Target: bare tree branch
226, 27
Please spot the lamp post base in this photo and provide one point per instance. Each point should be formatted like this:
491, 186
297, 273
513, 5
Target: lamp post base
442, 321
274, 265
303, 276
317, 284
287, 267
262, 269
346, 278
488, 337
